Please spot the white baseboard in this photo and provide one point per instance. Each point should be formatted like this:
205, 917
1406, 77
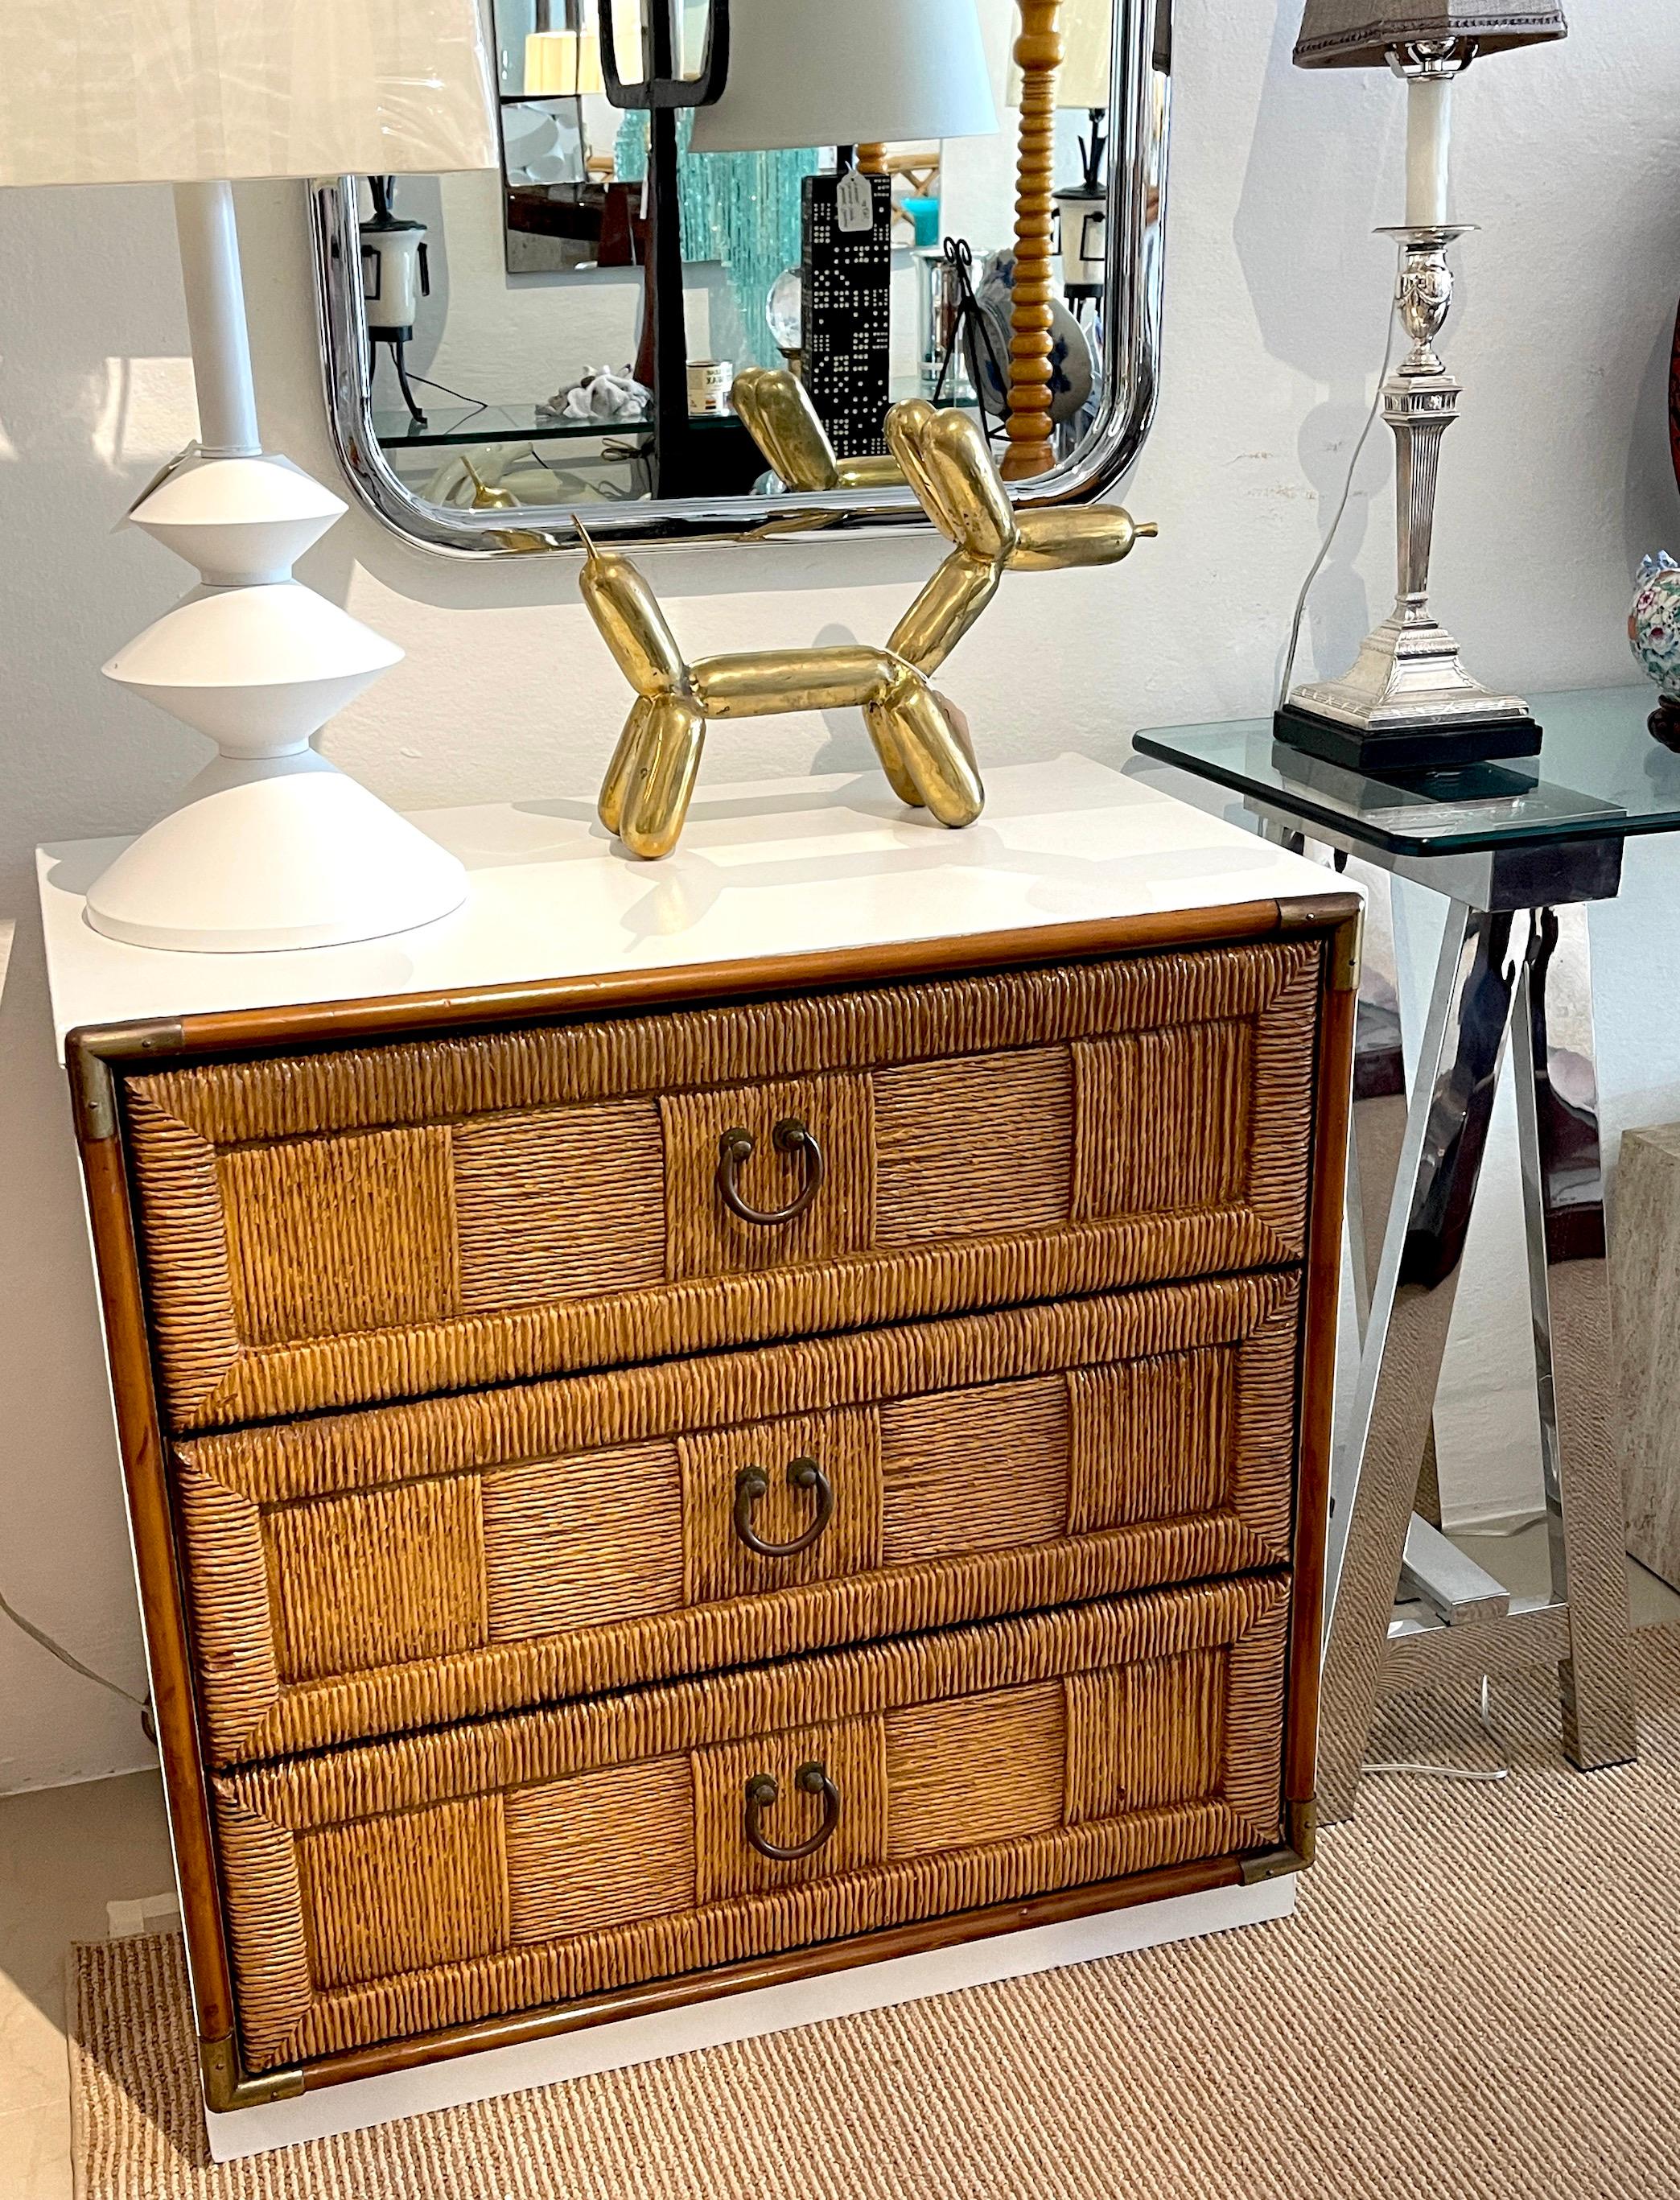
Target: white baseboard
338, 2109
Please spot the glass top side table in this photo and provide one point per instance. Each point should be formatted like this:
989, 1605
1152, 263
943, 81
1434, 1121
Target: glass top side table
1518, 850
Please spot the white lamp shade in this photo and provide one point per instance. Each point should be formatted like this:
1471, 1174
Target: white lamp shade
1085, 76
849, 73
198, 91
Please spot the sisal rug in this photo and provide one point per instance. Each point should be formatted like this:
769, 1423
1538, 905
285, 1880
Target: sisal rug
1479, 1996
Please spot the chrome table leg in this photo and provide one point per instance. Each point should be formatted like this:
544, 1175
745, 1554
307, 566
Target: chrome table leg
1563, 1204
1376, 1133
1377, 1462
1377, 1130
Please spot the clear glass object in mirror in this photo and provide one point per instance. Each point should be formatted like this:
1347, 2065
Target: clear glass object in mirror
504, 351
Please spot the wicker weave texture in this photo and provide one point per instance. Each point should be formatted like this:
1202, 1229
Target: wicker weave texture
371, 1573
382, 1891
327, 1229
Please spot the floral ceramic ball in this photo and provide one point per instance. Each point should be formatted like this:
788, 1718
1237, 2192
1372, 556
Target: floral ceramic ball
1653, 631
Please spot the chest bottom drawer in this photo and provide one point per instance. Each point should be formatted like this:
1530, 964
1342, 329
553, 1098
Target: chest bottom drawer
382, 1892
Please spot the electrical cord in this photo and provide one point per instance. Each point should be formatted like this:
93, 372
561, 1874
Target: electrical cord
1519, 1525
478, 404
970, 333
38, 1635
1317, 566
1471, 1776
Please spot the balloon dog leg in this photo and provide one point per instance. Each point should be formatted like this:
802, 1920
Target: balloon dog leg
625, 764
936, 753
883, 731
657, 791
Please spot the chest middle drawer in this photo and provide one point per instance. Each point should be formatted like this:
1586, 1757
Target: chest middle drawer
367, 1574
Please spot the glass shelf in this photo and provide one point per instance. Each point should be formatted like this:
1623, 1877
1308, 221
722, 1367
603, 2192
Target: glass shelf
495, 424
1599, 776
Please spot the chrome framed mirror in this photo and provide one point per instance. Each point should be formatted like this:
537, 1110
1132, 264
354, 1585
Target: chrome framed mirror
504, 355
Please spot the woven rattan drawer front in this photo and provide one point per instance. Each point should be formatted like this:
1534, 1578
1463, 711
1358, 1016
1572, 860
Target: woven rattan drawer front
371, 1573
328, 1229
379, 1892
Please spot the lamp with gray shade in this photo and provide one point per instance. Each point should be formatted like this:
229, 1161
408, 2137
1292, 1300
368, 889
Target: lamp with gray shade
848, 73
1353, 34
1408, 702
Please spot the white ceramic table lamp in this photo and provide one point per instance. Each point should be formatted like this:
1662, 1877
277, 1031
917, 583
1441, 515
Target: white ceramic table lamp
270, 846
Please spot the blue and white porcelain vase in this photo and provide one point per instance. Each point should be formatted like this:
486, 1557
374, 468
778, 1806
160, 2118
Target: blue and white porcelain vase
1654, 632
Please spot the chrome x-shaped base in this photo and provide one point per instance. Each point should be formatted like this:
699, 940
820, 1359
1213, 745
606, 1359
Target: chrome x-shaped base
1521, 973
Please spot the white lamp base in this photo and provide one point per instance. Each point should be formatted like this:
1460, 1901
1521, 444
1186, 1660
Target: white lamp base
270, 847
269, 853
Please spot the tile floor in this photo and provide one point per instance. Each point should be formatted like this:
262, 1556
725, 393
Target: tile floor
66, 1852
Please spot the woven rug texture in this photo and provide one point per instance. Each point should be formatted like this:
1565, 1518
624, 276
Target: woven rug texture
1479, 1995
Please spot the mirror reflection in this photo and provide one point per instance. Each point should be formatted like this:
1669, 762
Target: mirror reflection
729, 235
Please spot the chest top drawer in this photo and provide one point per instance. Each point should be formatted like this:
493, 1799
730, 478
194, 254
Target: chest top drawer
325, 1228
397, 1568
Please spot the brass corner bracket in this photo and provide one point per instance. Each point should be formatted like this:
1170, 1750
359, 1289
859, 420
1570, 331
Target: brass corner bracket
1296, 1854
1344, 915
89, 1055
228, 2087
1304, 1831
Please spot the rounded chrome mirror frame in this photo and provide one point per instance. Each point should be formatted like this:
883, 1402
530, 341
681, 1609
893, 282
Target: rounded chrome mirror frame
1137, 233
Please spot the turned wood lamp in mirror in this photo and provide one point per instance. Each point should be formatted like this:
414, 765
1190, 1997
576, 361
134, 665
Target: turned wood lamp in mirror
874, 198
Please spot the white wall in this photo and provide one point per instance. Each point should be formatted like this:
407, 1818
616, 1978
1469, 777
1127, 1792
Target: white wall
1556, 480
503, 340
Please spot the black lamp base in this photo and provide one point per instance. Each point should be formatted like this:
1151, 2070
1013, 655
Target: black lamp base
1408, 748
398, 341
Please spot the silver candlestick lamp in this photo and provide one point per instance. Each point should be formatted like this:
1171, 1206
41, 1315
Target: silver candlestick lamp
1407, 701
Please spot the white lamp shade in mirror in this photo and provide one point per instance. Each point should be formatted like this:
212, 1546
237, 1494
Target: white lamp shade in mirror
197, 90
563, 64
847, 72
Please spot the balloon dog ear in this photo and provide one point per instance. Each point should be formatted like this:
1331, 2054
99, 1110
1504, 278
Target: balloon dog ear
945, 456
906, 426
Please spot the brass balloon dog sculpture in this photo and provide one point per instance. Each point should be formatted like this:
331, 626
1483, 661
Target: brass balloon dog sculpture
921, 738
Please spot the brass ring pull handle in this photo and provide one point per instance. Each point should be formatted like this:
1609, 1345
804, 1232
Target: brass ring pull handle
753, 1483
790, 1135
762, 1791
